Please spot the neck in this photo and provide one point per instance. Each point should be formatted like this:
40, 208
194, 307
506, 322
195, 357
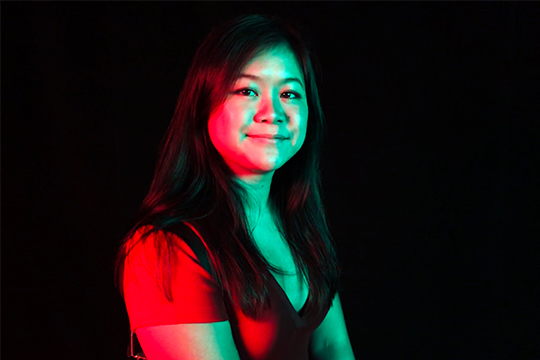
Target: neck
258, 190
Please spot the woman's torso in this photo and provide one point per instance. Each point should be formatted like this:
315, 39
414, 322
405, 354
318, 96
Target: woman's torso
281, 332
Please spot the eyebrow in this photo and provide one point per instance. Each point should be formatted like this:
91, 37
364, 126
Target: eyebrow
285, 80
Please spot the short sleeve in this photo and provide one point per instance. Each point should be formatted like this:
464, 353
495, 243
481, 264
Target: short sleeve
197, 297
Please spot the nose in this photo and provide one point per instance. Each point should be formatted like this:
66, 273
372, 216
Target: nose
270, 110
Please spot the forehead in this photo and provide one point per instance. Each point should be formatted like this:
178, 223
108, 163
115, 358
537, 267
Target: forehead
279, 61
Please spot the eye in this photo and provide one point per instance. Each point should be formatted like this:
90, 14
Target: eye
245, 92
291, 95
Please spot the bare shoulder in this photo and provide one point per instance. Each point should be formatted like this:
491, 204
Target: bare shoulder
208, 341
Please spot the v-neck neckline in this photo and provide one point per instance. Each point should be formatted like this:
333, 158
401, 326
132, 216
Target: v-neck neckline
297, 316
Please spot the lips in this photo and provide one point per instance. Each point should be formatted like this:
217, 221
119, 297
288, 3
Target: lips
268, 136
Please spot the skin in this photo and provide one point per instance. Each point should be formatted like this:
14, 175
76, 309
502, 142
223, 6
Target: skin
264, 102
330, 341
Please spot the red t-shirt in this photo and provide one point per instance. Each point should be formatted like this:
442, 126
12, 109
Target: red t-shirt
281, 333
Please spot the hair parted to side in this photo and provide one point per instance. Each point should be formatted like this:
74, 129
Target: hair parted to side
192, 183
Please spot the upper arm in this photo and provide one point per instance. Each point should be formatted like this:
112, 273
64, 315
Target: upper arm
194, 324
208, 341
332, 333
196, 296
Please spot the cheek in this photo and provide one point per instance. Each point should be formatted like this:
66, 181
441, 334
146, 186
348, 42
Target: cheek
216, 129
300, 127
225, 128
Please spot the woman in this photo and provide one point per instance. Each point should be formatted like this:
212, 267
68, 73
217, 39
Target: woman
239, 167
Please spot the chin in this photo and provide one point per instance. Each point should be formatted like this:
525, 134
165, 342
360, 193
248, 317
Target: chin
265, 168
268, 165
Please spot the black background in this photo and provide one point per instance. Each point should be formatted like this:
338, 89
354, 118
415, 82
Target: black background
429, 169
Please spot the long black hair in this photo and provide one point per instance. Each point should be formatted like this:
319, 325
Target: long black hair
192, 183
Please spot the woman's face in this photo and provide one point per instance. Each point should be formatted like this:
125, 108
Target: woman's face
263, 121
